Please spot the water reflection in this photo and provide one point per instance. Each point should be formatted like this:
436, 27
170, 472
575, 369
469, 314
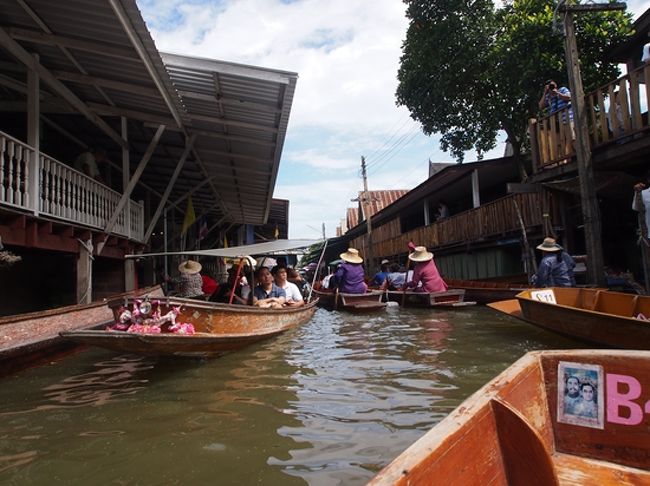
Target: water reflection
329, 403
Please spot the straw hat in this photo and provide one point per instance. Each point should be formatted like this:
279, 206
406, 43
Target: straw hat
549, 244
351, 256
189, 267
420, 254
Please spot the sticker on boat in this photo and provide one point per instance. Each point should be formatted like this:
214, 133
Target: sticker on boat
546, 295
580, 394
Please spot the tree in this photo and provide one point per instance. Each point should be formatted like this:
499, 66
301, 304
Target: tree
469, 69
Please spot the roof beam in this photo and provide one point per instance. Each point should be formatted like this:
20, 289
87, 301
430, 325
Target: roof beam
72, 43
107, 83
168, 190
232, 123
151, 69
233, 155
133, 114
222, 100
27, 59
132, 182
220, 135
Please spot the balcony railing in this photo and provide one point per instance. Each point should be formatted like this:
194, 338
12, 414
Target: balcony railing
497, 217
58, 191
615, 111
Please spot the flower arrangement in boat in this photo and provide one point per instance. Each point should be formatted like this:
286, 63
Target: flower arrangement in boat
145, 317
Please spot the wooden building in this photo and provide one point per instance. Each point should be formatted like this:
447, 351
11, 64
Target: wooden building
85, 74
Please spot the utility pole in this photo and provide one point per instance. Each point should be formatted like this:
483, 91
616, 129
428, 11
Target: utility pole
366, 210
588, 198
324, 237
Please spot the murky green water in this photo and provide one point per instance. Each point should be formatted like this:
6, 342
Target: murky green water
329, 403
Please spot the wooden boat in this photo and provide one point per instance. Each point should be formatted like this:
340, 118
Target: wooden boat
486, 291
219, 328
609, 318
451, 298
368, 302
523, 427
27, 337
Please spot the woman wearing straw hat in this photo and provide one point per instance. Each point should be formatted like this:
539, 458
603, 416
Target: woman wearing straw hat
350, 277
189, 281
425, 272
553, 270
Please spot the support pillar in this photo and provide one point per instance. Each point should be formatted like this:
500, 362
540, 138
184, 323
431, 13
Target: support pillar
85, 272
33, 138
129, 275
476, 195
427, 213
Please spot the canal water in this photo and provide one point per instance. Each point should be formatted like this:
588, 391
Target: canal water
329, 403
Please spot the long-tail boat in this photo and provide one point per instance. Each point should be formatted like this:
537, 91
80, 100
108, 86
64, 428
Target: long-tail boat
552, 418
27, 337
217, 328
368, 302
612, 319
186, 327
486, 291
451, 298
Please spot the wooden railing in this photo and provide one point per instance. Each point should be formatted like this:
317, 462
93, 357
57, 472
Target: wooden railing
498, 217
614, 112
56, 190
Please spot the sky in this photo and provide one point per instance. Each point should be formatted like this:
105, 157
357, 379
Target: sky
346, 54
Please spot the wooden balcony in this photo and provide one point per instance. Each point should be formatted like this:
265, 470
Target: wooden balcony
499, 217
53, 189
615, 112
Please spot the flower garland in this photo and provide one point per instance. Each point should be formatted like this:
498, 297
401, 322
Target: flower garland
146, 318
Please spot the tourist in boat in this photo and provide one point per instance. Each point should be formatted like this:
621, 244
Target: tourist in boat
396, 277
189, 282
553, 270
586, 405
295, 278
382, 275
242, 288
267, 294
426, 277
293, 295
350, 277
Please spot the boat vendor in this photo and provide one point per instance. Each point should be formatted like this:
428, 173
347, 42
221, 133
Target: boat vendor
553, 270
425, 272
267, 294
294, 296
189, 282
350, 277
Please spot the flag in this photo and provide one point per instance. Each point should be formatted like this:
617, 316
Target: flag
190, 216
203, 229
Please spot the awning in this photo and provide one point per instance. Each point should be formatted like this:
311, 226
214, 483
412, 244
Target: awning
274, 247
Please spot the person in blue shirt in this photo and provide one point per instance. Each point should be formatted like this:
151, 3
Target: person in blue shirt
382, 275
552, 270
555, 99
266, 294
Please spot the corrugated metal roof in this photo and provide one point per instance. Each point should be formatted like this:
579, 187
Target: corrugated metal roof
102, 52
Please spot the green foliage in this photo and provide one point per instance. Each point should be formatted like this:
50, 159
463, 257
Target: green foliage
469, 69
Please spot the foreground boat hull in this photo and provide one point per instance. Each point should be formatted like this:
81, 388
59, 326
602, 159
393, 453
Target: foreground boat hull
219, 328
521, 429
592, 315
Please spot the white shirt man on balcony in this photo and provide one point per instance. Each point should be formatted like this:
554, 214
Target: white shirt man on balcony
87, 161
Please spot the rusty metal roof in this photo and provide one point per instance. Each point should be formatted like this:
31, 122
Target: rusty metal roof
379, 200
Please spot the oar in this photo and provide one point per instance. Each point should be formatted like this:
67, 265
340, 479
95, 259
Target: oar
320, 260
234, 286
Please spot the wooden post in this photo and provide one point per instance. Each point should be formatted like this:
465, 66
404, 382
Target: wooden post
589, 202
129, 275
33, 138
85, 272
476, 195
366, 203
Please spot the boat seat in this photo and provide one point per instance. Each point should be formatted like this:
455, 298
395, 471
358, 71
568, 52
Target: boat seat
578, 471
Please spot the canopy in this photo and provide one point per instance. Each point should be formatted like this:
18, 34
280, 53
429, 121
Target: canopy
274, 247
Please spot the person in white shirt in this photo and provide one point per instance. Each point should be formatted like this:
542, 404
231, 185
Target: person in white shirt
641, 201
294, 297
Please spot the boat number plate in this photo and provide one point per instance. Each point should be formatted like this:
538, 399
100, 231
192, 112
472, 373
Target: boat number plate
546, 295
